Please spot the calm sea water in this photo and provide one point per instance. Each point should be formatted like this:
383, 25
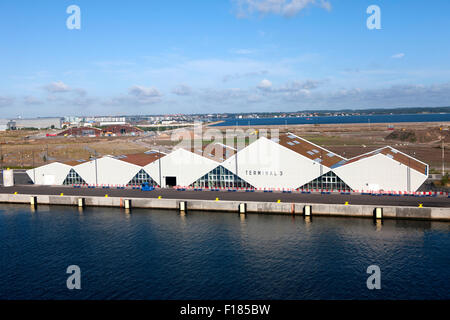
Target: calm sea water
154, 254
339, 119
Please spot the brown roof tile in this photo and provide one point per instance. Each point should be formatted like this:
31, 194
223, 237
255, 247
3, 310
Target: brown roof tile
74, 163
141, 159
395, 155
309, 150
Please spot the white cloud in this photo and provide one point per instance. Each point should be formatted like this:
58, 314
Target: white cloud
57, 87
287, 8
61, 94
292, 87
182, 90
265, 85
408, 95
137, 95
237, 76
144, 93
302, 85
398, 56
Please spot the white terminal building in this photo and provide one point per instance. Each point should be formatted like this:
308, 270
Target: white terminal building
287, 163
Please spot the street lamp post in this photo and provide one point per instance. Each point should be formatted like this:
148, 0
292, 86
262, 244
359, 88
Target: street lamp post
95, 165
96, 178
159, 164
321, 172
443, 156
408, 174
1, 156
236, 160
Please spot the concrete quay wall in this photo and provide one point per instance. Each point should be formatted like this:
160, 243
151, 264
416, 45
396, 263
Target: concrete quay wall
368, 211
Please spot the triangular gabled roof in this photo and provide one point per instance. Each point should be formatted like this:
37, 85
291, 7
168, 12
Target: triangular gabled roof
394, 154
309, 149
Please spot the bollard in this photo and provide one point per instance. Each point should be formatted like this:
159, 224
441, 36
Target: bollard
242, 208
183, 206
8, 178
80, 202
127, 204
33, 201
378, 213
307, 211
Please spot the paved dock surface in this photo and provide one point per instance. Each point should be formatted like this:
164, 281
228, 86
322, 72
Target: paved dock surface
295, 197
20, 177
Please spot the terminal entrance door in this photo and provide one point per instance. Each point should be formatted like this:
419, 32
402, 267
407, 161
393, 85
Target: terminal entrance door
171, 182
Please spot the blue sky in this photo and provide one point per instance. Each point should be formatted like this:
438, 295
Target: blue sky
161, 57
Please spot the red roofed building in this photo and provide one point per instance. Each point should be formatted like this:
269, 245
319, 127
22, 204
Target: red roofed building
122, 130
81, 132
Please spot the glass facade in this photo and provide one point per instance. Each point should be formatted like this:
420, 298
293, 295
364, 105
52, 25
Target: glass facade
221, 178
328, 181
73, 178
142, 177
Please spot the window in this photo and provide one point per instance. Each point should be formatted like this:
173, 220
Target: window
73, 178
329, 181
221, 178
142, 177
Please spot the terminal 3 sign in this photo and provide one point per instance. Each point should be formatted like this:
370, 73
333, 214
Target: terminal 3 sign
273, 173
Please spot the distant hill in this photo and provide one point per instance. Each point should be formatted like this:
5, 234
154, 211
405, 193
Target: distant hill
387, 111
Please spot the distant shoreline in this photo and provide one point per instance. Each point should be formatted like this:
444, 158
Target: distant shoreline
340, 120
382, 124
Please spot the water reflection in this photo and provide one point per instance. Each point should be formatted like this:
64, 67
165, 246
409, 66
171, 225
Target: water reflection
378, 224
163, 254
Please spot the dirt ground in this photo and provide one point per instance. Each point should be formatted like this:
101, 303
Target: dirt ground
421, 140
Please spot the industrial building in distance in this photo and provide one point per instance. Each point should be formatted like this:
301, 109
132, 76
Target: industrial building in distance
36, 123
287, 163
